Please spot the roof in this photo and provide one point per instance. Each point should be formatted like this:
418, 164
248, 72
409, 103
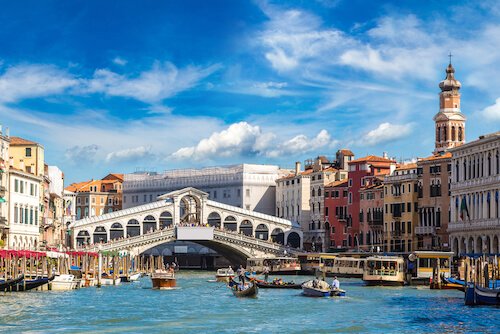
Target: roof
346, 152
21, 141
407, 166
336, 183
372, 158
446, 155
113, 176
292, 175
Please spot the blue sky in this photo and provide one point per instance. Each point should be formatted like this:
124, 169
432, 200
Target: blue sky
112, 86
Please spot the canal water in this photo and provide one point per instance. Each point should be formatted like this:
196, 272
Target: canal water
199, 306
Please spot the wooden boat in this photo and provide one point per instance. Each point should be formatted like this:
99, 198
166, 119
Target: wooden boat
26, 285
6, 285
64, 282
224, 275
453, 283
250, 289
163, 279
277, 284
475, 295
384, 270
316, 288
108, 280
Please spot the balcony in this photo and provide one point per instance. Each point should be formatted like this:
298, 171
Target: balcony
396, 234
342, 218
425, 230
376, 222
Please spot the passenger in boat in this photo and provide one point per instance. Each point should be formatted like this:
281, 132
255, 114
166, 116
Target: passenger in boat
335, 283
315, 282
230, 270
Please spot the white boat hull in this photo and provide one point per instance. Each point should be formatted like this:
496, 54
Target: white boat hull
109, 281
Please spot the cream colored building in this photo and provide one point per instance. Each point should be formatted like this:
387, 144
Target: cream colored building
4, 185
400, 209
475, 196
27, 156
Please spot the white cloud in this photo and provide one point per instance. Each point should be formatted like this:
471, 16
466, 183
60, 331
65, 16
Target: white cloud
302, 144
79, 155
492, 112
386, 132
120, 61
162, 81
129, 154
238, 139
30, 81
265, 89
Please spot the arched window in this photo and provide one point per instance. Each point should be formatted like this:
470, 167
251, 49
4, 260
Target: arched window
460, 134
489, 164
133, 228
445, 130
116, 231
453, 133
166, 219
214, 219
319, 192
230, 223
246, 228
148, 224
78, 213
465, 169
312, 192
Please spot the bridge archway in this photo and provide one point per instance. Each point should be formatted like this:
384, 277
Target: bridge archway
148, 224
133, 228
100, 235
214, 219
82, 238
116, 231
278, 236
246, 227
190, 210
262, 232
230, 223
293, 240
166, 219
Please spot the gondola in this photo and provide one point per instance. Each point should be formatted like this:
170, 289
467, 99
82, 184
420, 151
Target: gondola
6, 285
31, 284
251, 291
475, 295
286, 285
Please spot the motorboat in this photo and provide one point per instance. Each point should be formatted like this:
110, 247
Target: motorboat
163, 279
64, 282
384, 270
224, 275
109, 280
316, 288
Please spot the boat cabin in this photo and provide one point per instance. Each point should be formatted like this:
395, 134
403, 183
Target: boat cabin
423, 263
275, 264
384, 270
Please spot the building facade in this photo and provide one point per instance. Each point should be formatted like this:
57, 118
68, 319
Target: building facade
52, 215
336, 213
400, 209
475, 187
371, 214
4, 185
24, 209
247, 186
27, 155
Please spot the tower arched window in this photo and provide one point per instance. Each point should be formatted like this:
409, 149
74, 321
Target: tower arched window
445, 130
453, 133
460, 134
438, 133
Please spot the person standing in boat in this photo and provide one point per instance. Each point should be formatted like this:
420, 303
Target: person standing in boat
335, 283
266, 273
241, 274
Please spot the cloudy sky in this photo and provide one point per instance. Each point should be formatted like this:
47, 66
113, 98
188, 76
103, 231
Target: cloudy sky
116, 86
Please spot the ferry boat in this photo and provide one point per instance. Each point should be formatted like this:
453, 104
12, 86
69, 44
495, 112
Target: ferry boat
224, 275
309, 262
424, 265
163, 279
342, 266
384, 270
276, 265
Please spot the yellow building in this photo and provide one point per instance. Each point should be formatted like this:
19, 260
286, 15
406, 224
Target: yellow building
401, 209
27, 156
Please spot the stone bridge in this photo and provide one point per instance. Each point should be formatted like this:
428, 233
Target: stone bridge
188, 215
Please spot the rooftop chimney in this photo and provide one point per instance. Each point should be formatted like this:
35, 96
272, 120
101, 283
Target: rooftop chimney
385, 155
297, 167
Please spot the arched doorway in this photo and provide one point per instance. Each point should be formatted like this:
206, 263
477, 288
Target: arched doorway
148, 224
190, 210
262, 232
470, 245
116, 231
479, 245
133, 228
166, 219
214, 219
293, 240
100, 235
83, 238
455, 247
463, 247
495, 249
230, 223
487, 245
246, 227
278, 236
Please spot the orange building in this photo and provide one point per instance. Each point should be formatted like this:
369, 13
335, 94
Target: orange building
97, 197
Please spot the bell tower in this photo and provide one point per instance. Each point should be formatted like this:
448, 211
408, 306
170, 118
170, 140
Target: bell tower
450, 122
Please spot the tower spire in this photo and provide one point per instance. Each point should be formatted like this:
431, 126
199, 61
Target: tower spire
450, 55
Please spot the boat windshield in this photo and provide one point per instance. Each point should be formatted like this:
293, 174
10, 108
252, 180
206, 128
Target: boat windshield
386, 268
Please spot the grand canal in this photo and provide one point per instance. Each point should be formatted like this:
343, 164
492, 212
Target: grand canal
200, 306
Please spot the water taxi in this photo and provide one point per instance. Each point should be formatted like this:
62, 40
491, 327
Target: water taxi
163, 279
224, 275
429, 267
276, 265
384, 270
342, 266
318, 288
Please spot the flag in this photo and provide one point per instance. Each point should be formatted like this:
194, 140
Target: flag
463, 207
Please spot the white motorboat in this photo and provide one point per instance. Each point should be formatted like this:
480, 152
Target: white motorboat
135, 277
108, 280
64, 282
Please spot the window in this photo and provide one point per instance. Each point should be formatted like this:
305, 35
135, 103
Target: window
151, 197
16, 214
93, 200
110, 201
238, 192
124, 199
145, 198
16, 185
28, 151
36, 216
22, 187
31, 216
215, 193
350, 182
409, 206
78, 200
102, 200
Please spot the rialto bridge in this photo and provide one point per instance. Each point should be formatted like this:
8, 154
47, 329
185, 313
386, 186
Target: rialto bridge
189, 215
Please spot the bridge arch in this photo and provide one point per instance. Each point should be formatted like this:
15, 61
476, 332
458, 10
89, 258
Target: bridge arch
149, 224
262, 232
166, 219
133, 228
100, 235
278, 236
190, 209
246, 227
116, 231
214, 219
293, 240
230, 223
82, 238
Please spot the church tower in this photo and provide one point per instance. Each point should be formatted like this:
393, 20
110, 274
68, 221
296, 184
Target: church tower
450, 122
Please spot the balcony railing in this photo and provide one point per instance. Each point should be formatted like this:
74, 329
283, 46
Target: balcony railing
425, 230
376, 222
342, 218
